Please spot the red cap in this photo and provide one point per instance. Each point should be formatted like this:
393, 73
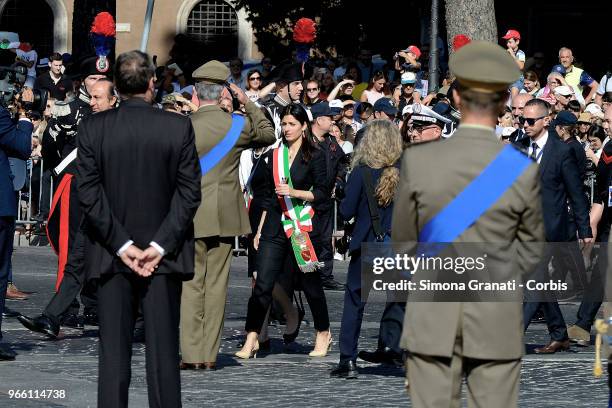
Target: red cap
512, 34
415, 50
460, 40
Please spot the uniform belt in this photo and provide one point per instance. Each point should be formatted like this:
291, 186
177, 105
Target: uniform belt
66, 162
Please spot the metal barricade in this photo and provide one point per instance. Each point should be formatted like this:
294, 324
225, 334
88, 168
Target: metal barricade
28, 224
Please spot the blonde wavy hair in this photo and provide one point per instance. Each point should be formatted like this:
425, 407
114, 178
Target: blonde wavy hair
380, 148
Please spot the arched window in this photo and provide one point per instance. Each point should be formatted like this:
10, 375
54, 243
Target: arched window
212, 21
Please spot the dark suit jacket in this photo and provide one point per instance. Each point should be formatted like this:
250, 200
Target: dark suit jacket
355, 204
139, 179
561, 183
336, 165
578, 151
15, 141
304, 176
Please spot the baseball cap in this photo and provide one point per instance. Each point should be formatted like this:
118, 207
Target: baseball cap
408, 78
565, 118
336, 106
564, 90
422, 114
559, 69
413, 49
321, 109
385, 105
460, 40
512, 34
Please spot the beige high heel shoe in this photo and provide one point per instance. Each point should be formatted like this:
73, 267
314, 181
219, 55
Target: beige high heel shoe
323, 352
244, 354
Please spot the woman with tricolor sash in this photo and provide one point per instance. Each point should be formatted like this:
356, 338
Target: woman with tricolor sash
296, 173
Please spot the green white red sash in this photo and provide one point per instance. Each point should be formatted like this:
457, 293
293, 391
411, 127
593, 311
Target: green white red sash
297, 215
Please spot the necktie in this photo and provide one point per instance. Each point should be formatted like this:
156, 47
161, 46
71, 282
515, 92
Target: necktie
534, 149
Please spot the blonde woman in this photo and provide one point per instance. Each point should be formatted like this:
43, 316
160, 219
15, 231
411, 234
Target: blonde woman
377, 153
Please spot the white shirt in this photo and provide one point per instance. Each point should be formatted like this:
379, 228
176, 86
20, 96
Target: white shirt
541, 142
605, 85
30, 56
347, 147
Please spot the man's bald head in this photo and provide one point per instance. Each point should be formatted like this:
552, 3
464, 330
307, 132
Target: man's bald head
518, 105
103, 95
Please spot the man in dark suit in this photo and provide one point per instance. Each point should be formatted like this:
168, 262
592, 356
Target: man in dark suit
139, 186
336, 164
560, 181
15, 141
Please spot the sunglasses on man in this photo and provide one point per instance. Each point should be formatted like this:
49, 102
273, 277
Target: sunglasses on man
529, 121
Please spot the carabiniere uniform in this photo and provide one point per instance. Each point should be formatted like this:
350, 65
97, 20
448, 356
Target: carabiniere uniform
60, 136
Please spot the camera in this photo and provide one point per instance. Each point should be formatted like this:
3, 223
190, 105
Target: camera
11, 84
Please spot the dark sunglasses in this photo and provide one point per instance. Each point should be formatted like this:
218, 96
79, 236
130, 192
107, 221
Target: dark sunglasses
312, 89
255, 79
529, 121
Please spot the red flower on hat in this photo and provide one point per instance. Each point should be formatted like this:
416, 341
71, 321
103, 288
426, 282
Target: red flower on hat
304, 31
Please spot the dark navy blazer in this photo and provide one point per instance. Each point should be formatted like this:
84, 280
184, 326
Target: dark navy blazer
355, 204
15, 141
560, 184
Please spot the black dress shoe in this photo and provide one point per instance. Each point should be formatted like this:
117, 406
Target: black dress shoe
139, 335
72, 320
388, 357
538, 317
6, 354
40, 324
8, 313
345, 369
192, 366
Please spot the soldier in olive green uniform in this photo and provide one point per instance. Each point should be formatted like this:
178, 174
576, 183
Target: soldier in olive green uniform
480, 341
222, 214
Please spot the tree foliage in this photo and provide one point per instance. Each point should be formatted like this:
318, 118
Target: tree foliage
341, 24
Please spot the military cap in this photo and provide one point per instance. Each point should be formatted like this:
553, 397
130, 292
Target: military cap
213, 72
288, 73
96, 66
484, 67
424, 115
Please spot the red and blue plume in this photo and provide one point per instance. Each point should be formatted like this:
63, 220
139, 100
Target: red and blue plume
304, 34
102, 35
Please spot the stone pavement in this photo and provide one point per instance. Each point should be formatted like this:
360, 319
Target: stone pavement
280, 378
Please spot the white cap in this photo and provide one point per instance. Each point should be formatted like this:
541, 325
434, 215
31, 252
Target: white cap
336, 103
564, 90
407, 110
408, 78
422, 113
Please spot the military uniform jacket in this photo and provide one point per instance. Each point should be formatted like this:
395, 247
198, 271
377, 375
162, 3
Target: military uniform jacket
222, 211
59, 138
432, 175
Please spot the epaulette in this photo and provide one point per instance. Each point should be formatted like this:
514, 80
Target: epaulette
61, 109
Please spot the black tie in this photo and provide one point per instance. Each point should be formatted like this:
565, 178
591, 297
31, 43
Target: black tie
534, 149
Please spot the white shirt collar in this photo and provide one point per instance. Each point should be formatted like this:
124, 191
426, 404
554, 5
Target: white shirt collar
541, 142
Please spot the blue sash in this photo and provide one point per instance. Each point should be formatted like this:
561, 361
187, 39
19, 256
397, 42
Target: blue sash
476, 198
214, 156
